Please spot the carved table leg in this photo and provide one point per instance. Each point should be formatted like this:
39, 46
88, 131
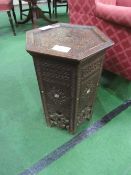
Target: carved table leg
28, 18
34, 13
43, 16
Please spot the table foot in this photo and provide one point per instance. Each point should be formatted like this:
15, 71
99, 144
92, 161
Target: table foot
34, 14
28, 18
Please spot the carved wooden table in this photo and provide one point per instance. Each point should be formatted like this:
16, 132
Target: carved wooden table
68, 62
35, 12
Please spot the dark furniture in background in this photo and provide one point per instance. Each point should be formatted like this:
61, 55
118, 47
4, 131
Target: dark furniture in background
7, 6
35, 12
68, 61
59, 3
29, 4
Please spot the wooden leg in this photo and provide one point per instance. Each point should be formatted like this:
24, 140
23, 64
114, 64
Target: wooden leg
28, 18
34, 16
49, 7
34, 13
30, 7
11, 22
55, 8
14, 15
20, 6
67, 8
40, 14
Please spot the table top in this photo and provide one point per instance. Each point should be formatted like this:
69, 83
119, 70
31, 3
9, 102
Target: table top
68, 41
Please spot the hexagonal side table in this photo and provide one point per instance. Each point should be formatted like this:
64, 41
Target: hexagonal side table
68, 62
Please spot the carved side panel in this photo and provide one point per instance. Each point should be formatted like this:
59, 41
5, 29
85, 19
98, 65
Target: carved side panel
64, 107
57, 79
89, 78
